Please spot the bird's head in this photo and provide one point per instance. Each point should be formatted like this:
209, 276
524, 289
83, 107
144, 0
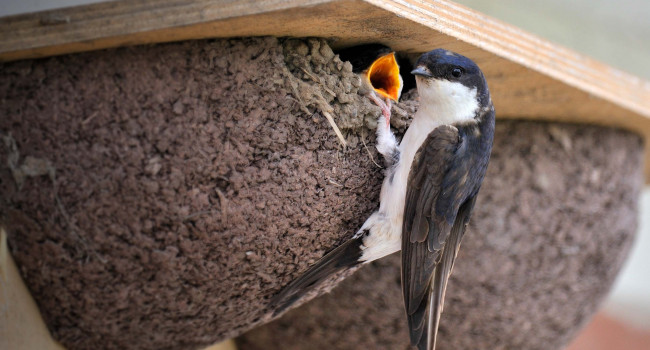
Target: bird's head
383, 76
451, 84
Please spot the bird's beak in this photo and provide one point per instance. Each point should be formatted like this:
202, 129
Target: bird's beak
422, 71
384, 77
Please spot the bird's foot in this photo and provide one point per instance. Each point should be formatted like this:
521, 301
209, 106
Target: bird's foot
387, 144
385, 106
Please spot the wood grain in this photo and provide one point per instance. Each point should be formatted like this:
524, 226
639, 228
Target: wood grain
530, 78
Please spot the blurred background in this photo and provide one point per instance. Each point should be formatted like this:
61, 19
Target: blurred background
616, 32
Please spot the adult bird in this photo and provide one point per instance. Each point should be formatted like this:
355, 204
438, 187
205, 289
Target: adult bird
432, 180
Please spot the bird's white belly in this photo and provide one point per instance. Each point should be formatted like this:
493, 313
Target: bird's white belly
385, 225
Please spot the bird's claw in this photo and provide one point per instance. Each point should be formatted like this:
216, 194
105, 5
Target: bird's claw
385, 107
387, 112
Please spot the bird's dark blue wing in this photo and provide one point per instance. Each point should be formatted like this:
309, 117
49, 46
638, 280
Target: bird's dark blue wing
443, 181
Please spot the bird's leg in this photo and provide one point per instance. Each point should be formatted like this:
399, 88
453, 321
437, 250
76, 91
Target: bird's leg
386, 142
385, 106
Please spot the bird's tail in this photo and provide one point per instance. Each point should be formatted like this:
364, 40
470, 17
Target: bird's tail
342, 258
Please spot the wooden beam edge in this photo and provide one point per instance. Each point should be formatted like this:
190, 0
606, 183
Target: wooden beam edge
22, 34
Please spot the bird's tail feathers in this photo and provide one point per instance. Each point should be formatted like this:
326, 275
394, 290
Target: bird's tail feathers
425, 334
342, 258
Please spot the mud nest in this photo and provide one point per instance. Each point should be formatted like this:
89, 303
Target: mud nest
155, 197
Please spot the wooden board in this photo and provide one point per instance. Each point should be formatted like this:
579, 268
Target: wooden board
529, 78
21, 325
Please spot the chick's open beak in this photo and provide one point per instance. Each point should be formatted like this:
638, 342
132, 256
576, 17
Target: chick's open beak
384, 77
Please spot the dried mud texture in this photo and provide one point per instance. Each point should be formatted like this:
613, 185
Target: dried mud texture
155, 197
553, 222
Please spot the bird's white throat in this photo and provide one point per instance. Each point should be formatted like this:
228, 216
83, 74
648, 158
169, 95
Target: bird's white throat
446, 101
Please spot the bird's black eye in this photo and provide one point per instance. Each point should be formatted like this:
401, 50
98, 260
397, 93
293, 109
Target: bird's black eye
456, 72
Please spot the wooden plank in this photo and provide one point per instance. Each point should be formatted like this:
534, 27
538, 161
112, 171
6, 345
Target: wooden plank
224, 345
21, 325
529, 78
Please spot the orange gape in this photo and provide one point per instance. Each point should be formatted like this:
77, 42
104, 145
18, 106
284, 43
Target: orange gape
384, 77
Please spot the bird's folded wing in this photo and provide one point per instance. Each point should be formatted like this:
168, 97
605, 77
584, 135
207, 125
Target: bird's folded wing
439, 200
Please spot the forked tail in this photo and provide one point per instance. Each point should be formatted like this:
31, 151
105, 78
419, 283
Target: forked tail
340, 259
